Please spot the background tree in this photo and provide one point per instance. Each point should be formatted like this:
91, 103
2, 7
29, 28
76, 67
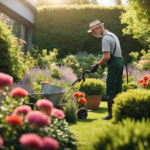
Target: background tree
39, 3
118, 2
137, 17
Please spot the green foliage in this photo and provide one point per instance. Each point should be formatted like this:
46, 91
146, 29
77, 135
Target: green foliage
81, 63
137, 16
9, 60
129, 135
70, 112
66, 28
93, 86
131, 85
134, 104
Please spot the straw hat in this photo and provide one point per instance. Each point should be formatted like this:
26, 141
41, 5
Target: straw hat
94, 24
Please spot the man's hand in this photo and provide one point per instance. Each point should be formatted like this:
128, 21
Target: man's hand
93, 68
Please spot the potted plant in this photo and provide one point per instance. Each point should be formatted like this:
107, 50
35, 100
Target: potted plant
93, 88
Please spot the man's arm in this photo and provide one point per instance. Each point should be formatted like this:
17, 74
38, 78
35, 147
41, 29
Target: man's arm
105, 58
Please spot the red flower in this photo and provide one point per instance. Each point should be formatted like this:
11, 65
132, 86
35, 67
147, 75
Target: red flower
31, 140
76, 94
24, 109
24, 42
5, 79
18, 92
82, 100
144, 84
139, 81
28, 50
14, 120
145, 77
20, 40
20, 54
1, 141
124, 74
37, 118
57, 113
49, 144
139, 57
46, 82
15, 41
81, 95
45, 105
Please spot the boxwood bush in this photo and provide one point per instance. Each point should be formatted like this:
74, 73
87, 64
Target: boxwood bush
131, 85
129, 135
92, 86
134, 104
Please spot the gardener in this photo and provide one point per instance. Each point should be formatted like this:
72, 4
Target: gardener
112, 55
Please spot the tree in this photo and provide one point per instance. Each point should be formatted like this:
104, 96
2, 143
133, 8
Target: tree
118, 2
137, 18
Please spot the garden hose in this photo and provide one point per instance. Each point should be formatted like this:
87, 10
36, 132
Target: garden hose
126, 65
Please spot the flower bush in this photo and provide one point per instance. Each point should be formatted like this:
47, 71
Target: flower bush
19, 125
81, 101
145, 82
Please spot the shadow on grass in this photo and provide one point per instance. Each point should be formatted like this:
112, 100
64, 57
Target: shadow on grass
83, 120
100, 110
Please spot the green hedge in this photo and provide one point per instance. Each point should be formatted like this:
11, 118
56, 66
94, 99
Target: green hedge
134, 104
65, 27
129, 135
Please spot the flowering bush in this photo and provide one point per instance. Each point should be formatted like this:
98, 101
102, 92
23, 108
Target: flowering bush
145, 82
81, 101
22, 128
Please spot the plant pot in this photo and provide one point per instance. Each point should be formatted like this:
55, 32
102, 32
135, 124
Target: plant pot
93, 102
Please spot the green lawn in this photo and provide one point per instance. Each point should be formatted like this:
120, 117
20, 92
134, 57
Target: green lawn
85, 129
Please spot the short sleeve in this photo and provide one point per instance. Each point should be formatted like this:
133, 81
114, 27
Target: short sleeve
105, 45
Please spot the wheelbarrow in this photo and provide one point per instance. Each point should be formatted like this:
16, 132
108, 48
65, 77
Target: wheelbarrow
56, 94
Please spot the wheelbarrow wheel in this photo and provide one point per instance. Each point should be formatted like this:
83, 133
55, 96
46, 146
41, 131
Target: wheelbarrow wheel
82, 113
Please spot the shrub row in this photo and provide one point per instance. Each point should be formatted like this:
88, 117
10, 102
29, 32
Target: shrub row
65, 27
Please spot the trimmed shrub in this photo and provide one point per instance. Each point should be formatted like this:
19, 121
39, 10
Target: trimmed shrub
65, 27
93, 86
131, 85
134, 104
129, 135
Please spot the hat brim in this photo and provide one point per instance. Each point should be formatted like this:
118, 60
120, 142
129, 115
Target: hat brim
94, 28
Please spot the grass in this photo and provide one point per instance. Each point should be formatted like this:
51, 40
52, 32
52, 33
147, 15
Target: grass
85, 129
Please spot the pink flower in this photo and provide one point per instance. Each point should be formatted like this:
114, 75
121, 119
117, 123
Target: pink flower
37, 118
11, 26
7, 20
24, 109
50, 144
15, 41
20, 54
5, 79
1, 141
4, 21
31, 140
18, 92
45, 105
57, 113
19, 46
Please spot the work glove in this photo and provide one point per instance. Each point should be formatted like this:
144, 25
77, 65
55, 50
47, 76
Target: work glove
93, 68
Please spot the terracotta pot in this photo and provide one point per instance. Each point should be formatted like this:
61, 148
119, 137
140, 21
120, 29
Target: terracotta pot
93, 102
